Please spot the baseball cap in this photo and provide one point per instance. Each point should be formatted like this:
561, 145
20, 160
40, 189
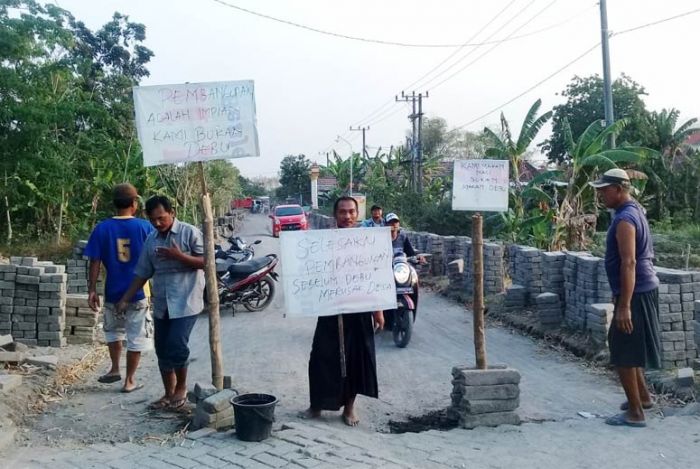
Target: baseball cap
391, 217
612, 176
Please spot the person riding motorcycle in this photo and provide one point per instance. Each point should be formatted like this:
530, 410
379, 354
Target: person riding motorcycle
399, 240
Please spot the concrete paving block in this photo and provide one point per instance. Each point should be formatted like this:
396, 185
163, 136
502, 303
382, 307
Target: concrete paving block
497, 392
204, 390
11, 357
5, 340
493, 419
9, 382
48, 361
685, 377
218, 401
492, 376
201, 433
488, 406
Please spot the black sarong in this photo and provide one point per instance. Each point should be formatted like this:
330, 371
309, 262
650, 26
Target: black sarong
327, 389
641, 348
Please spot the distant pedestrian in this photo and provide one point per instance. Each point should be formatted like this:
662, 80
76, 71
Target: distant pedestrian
634, 334
116, 243
173, 258
377, 218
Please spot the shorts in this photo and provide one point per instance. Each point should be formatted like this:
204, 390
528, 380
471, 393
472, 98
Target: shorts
172, 337
641, 348
135, 325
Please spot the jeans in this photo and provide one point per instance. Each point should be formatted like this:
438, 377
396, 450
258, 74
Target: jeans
171, 341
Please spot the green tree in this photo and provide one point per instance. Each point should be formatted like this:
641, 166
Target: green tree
584, 104
250, 188
294, 177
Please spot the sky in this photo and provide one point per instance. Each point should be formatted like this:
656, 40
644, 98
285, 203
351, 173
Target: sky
310, 88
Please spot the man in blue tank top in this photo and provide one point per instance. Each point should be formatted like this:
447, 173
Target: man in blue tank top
634, 334
116, 243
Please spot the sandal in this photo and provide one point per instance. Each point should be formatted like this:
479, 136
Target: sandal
177, 403
108, 379
160, 404
621, 420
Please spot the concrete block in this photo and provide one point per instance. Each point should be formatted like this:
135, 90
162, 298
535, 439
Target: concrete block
5, 340
47, 361
10, 382
488, 406
495, 392
685, 377
493, 419
204, 390
201, 433
492, 376
218, 401
11, 357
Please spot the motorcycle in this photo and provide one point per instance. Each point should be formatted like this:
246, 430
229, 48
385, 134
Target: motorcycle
250, 283
238, 251
401, 319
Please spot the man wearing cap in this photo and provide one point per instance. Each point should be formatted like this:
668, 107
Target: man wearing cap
376, 220
116, 243
399, 240
634, 334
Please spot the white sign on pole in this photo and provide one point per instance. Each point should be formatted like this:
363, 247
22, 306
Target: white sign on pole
480, 185
196, 121
327, 272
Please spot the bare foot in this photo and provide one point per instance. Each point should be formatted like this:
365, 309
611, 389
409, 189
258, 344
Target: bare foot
310, 414
351, 420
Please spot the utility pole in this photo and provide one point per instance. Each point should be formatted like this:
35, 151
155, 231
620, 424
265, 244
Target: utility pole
416, 118
364, 141
607, 81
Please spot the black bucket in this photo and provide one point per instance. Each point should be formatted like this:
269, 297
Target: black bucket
254, 414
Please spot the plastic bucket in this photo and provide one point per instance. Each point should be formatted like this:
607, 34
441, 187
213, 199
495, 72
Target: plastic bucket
254, 415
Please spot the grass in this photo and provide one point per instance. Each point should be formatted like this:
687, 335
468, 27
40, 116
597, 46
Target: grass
43, 249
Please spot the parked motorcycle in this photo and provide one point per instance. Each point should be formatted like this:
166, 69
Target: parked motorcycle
401, 319
238, 250
250, 283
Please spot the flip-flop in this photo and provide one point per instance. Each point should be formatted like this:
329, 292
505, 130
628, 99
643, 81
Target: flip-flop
160, 404
135, 388
177, 404
108, 379
620, 420
626, 406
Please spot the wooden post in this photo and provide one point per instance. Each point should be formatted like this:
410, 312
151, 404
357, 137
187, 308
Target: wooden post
341, 342
217, 372
478, 307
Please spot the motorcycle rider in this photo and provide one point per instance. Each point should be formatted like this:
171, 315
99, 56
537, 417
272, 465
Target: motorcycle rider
399, 240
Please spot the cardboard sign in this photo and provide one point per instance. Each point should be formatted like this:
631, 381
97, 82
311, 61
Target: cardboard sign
196, 122
480, 185
327, 272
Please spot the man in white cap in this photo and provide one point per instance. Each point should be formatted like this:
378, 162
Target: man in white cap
634, 334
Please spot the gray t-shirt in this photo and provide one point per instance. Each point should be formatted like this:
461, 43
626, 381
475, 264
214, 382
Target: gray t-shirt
177, 288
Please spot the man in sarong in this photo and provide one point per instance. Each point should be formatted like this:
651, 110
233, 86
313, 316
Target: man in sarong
328, 389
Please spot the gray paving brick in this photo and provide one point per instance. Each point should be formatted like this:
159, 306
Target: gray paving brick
307, 462
270, 460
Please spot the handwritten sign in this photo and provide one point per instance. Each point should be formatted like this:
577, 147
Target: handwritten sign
196, 121
326, 272
480, 185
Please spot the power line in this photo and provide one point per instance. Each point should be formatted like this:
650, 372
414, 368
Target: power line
488, 51
377, 41
654, 23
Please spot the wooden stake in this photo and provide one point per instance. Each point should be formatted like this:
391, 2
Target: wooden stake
341, 341
478, 307
217, 372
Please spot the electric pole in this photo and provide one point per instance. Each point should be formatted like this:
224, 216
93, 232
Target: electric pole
364, 141
416, 119
607, 81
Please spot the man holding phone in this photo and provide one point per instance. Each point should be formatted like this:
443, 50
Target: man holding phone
173, 258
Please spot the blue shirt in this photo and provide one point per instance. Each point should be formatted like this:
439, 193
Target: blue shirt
645, 276
177, 288
370, 223
117, 242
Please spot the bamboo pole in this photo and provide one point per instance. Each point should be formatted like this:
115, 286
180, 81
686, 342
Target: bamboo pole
478, 307
341, 342
217, 373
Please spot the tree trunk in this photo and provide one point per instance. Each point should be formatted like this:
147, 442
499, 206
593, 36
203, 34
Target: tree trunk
60, 217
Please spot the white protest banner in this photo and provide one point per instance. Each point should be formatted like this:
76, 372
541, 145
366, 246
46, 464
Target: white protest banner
327, 272
196, 121
480, 185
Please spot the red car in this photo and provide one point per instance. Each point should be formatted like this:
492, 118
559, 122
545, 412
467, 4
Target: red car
288, 218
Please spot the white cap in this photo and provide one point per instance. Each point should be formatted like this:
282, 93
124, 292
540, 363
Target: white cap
612, 176
391, 217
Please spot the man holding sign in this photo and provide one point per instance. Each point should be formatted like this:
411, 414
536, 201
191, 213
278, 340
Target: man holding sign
330, 386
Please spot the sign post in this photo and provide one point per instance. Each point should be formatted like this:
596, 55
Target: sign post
197, 122
480, 185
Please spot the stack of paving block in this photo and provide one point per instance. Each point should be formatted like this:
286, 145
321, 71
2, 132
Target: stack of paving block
81, 320
677, 293
493, 268
516, 298
598, 319
553, 273
38, 315
586, 286
449, 247
8, 272
434, 246
527, 270
485, 397
455, 274
214, 409
548, 309
577, 274
77, 269
696, 324
604, 292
